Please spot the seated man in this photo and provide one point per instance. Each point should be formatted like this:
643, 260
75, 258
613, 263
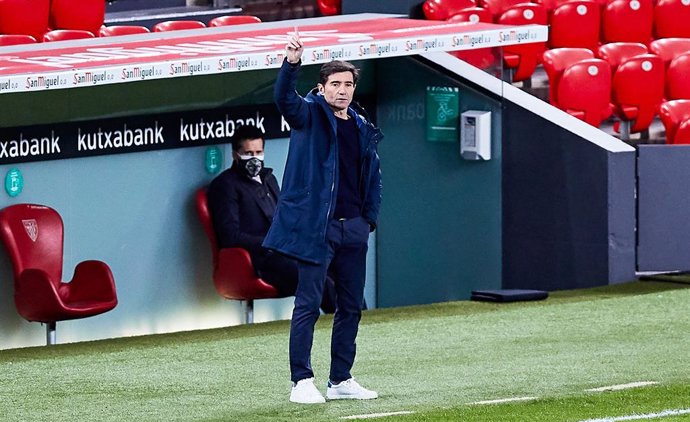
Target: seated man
242, 200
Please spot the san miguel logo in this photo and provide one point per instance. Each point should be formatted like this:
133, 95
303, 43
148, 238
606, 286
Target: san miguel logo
376, 49
187, 68
470, 40
90, 78
31, 227
233, 63
329, 54
44, 82
137, 72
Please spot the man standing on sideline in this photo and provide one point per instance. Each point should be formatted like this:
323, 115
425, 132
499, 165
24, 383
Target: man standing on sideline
242, 200
330, 204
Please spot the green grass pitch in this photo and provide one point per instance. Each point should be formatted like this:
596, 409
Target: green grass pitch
434, 361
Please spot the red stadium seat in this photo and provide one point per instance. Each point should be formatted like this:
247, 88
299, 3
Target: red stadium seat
575, 24
637, 92
233, 272
115, 30
548, 5
177, 25
233, 20
584, 91
669, 48
471, 14
556, 61
440, 10
66, 34
678, 78
86, 15
671, 18
15, 39
616, 53
482, 58
329, 7
675, 115
627, 21
33, 237
25, 17
497, 7
523, 58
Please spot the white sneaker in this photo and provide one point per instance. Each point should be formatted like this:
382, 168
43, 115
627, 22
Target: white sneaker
305, 392
349, 389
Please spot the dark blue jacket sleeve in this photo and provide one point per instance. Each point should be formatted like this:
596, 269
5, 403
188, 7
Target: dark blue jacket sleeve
290, 104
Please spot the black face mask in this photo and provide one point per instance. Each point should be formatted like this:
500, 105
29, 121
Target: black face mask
251, 165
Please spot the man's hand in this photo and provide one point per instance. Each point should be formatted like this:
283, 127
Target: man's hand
294, 48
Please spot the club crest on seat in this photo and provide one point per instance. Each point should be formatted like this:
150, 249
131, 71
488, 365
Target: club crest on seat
31, 227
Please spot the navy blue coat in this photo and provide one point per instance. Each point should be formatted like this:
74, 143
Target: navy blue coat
310, 179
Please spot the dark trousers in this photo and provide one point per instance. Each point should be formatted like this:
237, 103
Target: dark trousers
346, 263
281, 272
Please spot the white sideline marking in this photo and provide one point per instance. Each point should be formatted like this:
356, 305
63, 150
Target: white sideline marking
623, 386
508, 400
378, 415
665, 413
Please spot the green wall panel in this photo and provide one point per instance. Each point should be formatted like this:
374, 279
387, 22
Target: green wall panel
439, 233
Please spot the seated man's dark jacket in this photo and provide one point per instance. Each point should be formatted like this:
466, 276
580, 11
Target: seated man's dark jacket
242, 209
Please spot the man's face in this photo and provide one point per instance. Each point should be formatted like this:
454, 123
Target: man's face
253, 147
338, 90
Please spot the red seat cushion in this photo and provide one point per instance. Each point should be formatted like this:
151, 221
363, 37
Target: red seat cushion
556, 61
585, 87
112, 31
575, 24
673, 114
87, 15
672, 18
497, 7
440, 10
638, 90
15, 39
677, 81
627, 21
616, 53
28, 17
233, 20
66, 34
669, 48
177, 25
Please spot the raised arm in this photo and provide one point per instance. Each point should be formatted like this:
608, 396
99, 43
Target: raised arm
290, 104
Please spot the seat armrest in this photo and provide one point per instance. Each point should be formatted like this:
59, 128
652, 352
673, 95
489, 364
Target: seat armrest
235, 278
93, 281
237, 262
